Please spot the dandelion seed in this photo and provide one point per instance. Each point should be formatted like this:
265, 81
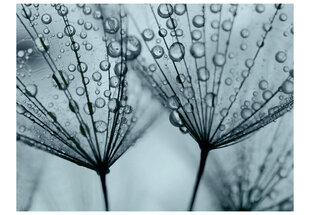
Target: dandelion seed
260, 181
81, 126
220, 44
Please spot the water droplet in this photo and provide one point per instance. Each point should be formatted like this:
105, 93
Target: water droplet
203, 74
179, 9
20, 109
69, 30
249, 63
114, 49
113, 105
96, 76
176, 52
100, 102
180, 78
256, 106
101, 126
228, 81
263, 84
280, 57
245, 113
173, 102
188, 107
245, 33
255, 194
175, 119
73, 106
157, 51
31, 90
227, 25
89, 108
260, 8
197, 50
210, 99
111, 25
114, 82
120, 69
215, 8
133, 47
41, 43
196, 35
80, 91
46, 18
267, 94
219, 59
84, 129
287, 87
165, 10
171, 23
198, 21
283, 17
104, 65
148, 34
82, 67
188, 92
162, 32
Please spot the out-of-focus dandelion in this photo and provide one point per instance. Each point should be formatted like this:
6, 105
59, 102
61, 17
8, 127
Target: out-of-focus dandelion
73, 97
224, 71
256, 181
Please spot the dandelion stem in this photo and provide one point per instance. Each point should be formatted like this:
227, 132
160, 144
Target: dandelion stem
203, 159
104, 189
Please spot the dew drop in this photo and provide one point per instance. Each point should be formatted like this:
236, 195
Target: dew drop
179, 9
96, 76
263, 84
114, 82
197, 50
46, 18
245, 113
175, 119
111, 25
120, 69
101, 126
100, 102
104, 65
114, 49
113, 105
165, 10
260, 8
73, 106
280, 57
219, 59
31, 90
196, 35
176, 52
203, 74
157, 51
188, 92
287, 87
148, 34
173, 102
198, 21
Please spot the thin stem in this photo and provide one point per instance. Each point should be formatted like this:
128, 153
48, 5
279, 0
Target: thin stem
102, 175
203, 159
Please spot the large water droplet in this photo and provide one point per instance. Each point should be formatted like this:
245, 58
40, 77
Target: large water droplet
46, 18
203, 74
101, 126
176, 52
31, 90
120, 69
157, 51
287, 87
111, 25
148, 34
219, 59
280, 57
197, 50
104, 65
165, 10
175, 119
100, 102
114, 49
198, 21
